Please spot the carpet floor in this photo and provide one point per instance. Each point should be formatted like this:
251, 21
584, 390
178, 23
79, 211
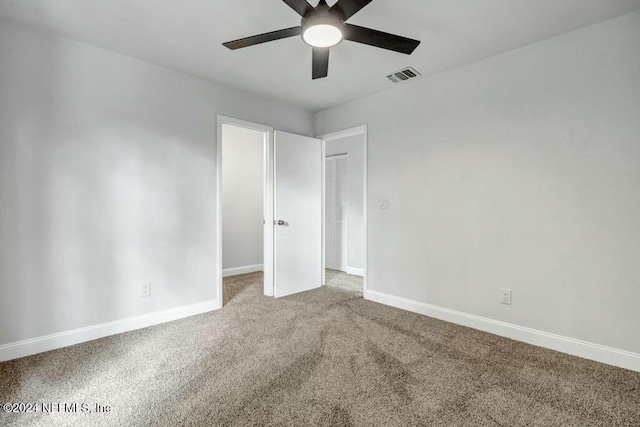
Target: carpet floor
323, 357
343, 280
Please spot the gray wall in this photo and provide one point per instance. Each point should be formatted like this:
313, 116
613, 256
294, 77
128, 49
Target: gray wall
107, 179
354, 147
520, 171
242, 197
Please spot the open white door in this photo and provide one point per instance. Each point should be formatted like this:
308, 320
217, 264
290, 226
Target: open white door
297, 213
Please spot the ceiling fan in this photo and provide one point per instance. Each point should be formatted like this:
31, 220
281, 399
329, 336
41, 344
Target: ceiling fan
323, 27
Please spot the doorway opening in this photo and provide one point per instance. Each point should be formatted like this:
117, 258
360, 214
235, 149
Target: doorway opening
344, 200
243, 208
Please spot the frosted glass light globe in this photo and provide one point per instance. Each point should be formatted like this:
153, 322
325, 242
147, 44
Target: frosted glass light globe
322, 35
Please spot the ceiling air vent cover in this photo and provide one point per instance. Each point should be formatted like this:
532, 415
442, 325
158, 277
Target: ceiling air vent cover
404, 75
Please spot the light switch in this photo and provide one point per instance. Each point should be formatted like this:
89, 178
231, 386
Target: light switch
383, 204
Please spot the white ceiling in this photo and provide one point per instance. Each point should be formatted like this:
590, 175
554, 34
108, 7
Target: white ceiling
186, 35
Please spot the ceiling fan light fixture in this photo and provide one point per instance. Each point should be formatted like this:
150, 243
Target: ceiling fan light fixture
323, 27
322, 35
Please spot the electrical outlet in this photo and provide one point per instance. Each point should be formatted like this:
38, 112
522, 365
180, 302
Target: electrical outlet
145, 289
505, 296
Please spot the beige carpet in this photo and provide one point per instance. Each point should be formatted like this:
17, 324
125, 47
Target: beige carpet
343, 280
324, 357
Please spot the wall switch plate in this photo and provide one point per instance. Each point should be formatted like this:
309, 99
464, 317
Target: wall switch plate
383, 204
145, 289
505, 296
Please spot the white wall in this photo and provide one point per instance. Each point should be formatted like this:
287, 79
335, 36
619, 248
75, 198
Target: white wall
107, 179
354, 147
520, 171
242, 197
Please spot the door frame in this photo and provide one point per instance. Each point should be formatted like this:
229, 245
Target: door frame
267, 173
358, 130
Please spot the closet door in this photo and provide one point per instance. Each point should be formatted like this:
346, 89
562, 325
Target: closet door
329, 209
336, 213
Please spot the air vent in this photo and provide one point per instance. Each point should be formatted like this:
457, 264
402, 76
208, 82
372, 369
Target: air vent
404, 75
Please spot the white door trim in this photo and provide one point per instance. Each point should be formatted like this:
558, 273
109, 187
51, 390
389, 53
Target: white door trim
358, 130
268, 201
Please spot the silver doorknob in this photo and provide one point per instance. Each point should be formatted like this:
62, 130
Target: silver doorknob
280, 222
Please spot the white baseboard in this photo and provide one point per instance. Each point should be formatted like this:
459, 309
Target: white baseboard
355, 271
80, 335
575, 347
227, 272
